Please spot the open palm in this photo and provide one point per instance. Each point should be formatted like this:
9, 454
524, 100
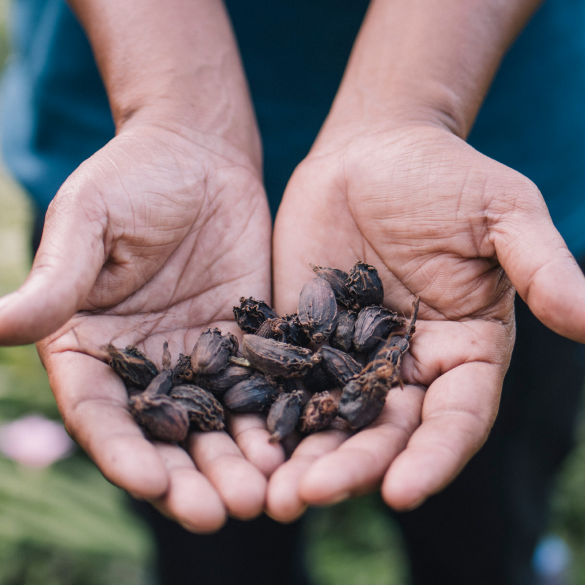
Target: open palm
153, 239
441, 221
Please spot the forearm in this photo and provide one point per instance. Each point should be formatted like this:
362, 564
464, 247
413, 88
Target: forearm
430, 59
176, 59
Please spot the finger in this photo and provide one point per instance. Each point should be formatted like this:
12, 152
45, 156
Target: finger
359, 464
69, 259
92, 401
241, 486
190, 499
540, 266
283, 502
251, 436
458, 411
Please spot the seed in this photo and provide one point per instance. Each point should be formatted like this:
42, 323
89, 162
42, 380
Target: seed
251, 395
161, 383
287, 329
135, 369
372, 325
363, 398
224, 380
317, 379
318, 309
365, 286
318, 413
338, 281
183, 372
163, 418
342, 337
204, 411
275, 358
296, 334
284, 415
212, 351
252, 313
339, 365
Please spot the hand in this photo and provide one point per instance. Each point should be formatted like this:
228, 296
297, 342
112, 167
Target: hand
153, 239
442, 221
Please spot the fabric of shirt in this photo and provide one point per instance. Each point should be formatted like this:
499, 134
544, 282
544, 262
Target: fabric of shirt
55, 112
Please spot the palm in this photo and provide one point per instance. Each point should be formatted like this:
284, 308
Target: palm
176, 233
419, 204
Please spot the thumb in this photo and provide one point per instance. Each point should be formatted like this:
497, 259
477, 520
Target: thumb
540, 266
66, 266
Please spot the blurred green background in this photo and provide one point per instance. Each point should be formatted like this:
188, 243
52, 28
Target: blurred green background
66, 525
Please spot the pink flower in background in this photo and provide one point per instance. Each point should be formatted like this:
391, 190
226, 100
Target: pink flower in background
35, 441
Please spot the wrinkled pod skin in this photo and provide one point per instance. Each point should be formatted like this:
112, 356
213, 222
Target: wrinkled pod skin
318, 310
252, 395
342, 337
318, 413
372, 325
204, 411
212, 352
135, 369
163, 418
284, 415
278, 359
365, 286
339, 365
337, 279
252, 313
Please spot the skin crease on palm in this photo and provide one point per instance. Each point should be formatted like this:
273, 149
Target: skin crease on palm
177, 258
439, 220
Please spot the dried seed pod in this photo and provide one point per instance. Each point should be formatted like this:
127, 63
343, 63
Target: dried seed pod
372, 325
296, 334
252, 313
276, 328
296, 384
338, 281
342, 337
318, 413
364, 397
275, 358
339, 365
212, 351
204, 411
224, 380
284, 415
160, 416
135, 369
161, 383
251, 395
317, 379
183, 372
318, 309
365, 286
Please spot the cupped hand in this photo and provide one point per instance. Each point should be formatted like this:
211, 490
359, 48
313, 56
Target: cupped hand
152, 239
440, 220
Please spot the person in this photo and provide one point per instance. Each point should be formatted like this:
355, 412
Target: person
154, 236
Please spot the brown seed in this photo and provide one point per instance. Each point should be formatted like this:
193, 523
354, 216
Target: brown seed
318, 309
160, 416
252, 313
252, 395
365, 286
342, 337
338, 281
183, 372
372, 325
204, 411
284, 415
339, 365
212, 352
364, 397
275, 358
296, 334
287, 329
318, 413
224, 380
317, 379
135, 369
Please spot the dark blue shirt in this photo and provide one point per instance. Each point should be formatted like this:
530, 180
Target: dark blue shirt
55, 112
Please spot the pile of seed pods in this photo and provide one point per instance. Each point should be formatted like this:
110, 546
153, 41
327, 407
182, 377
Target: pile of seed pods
338, 356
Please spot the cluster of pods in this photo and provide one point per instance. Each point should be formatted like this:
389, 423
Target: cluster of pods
338, 356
